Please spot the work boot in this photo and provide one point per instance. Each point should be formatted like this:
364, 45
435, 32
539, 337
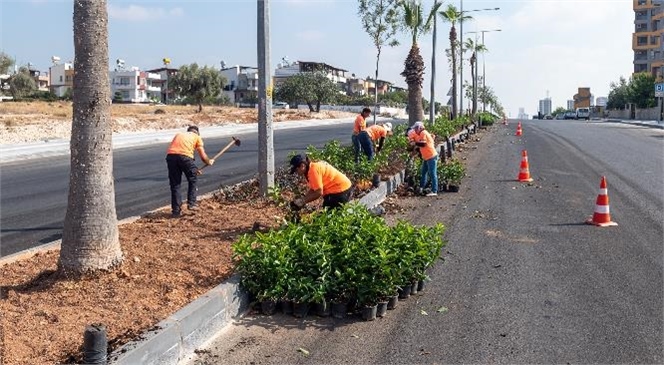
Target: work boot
176, 215
192, 207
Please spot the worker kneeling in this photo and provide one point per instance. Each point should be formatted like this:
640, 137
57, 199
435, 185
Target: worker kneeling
323, 180
378, 133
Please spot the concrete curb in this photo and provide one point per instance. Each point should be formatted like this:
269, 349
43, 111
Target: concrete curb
640, 123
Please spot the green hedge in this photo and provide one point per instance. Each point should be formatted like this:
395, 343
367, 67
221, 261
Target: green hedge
337, 256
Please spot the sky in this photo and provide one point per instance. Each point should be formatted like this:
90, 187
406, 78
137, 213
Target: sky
545, 47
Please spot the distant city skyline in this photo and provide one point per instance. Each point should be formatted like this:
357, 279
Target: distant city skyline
538, 48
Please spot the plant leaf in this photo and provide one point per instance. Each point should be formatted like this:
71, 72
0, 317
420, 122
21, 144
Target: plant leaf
304, 351
422, 312
442, 310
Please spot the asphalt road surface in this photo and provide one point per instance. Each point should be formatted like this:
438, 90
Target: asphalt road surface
524, 280
33, 195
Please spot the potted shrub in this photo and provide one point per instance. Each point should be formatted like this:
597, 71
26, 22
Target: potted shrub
452, 173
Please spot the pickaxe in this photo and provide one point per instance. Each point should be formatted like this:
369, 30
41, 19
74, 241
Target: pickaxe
235, 141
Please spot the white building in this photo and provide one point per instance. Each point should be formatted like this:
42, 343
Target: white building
61, 78
545, 106
570, 104
241, 84
165, 73
601, 101
284, 71
522, 114
135, 86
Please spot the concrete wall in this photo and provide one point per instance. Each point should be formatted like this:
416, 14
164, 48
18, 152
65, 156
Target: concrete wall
639, 114
393, 112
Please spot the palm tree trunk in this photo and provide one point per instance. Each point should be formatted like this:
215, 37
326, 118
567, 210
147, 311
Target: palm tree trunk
90, 239
414, 75
454, 71
473, 59
416, 113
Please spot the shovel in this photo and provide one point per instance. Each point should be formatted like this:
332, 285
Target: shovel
235, 142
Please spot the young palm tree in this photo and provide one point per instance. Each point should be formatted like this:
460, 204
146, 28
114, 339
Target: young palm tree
475, 47
90, 237
452, 15
414, 23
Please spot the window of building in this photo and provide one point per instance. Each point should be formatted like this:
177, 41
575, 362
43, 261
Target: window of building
641, 41
60, 78
125, 94
654, 40
123, 81
642, 2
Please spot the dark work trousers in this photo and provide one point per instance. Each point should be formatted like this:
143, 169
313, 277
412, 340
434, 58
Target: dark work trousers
362, 142
334, 201
177, 165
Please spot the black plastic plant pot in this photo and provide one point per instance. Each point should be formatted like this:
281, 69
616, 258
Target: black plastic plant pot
420, 285
375, 180
381, 309
300, 310
339, 310
392, 303
286, 306
268, 307
445, 188
369, 313
453, 188
322, 309
404, 291
413, 288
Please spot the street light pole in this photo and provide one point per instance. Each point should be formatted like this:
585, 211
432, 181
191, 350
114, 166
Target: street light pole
265, 133
461, 66
432, 101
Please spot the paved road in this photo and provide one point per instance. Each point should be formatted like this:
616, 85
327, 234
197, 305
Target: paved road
33, 195
524, 280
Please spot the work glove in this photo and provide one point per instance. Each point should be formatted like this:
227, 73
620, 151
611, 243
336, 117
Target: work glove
210, 162
199, 172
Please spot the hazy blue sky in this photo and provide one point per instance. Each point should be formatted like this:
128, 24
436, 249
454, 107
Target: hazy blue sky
555, 46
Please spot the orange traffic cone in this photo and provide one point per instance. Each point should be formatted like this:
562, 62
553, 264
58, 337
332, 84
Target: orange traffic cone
519, 131
602, 216
524, 172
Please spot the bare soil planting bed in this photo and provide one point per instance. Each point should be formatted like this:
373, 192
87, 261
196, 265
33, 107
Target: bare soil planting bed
25, 122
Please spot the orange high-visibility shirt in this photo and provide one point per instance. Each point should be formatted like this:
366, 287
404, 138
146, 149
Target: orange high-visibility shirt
428, 151
185, 143
412, 136
324, 176
360, 124
376, 132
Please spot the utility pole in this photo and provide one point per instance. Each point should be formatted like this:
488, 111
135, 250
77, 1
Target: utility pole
483, 76
265, 87
461, 61
432, 102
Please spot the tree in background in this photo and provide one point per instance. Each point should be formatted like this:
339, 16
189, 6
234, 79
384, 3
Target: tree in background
475, 47
90, 239
312, 88
197, 84
641, 90
452, 15
6, 63
618, 94
380, 19
21, 84
414, 23
559, 110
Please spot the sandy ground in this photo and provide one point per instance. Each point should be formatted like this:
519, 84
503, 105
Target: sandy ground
28, 122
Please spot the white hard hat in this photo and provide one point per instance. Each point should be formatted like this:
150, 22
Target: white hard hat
388, 126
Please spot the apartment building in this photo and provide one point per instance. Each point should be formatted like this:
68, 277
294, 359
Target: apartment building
135, 86
165, 73
570, 105
545, 106
286, 70
61, 78
582, 99
647, 37
241, 84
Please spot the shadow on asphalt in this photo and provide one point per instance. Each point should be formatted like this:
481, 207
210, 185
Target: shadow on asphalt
569, 224
279, 321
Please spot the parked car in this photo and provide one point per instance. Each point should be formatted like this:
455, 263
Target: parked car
583, 113
280, 105
570, 115
548, 116
560, 116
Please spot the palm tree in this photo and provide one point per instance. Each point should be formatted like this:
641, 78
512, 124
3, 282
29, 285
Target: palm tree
90, 239
475, 48
452, 15
413, 71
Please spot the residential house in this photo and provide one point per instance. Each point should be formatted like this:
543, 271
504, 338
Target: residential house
381, 85
356, 86
135, 86
40, 80
241, 84
61, 78
165, 73
286, 70
647, 37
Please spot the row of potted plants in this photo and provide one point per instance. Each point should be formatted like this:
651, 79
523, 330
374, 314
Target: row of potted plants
336, 258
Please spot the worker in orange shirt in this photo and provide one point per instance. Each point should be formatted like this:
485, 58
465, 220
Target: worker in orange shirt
323, 180
180, 159
361, 140
425, 141
378, 133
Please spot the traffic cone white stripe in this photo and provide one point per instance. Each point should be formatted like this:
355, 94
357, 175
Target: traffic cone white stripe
602, 209
603, 191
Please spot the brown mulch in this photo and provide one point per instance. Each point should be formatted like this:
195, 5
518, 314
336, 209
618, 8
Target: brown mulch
168, 263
